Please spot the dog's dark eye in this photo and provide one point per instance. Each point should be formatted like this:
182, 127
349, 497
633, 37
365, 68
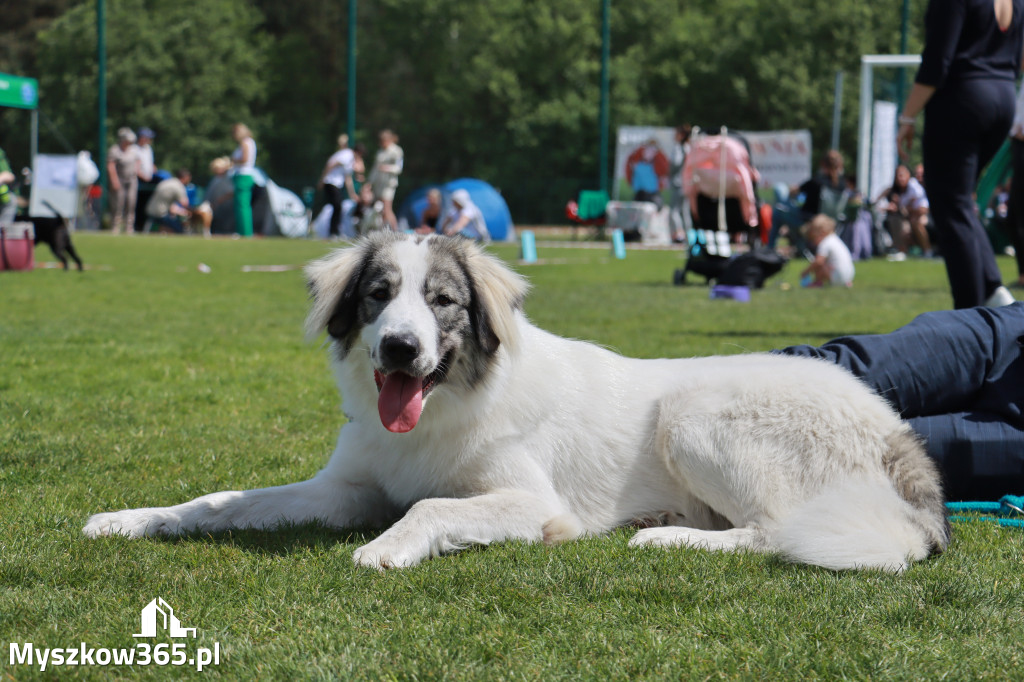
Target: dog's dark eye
443, 300
380, 294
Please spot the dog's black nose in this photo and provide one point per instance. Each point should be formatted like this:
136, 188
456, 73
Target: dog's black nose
398, 351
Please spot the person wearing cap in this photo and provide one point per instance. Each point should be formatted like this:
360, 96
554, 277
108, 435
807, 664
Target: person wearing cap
465, 219
123, 171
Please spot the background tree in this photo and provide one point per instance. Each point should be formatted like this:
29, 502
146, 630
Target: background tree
22, 22
505, 90
186, 68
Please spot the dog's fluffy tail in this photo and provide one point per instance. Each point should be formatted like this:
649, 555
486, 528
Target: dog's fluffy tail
867, 521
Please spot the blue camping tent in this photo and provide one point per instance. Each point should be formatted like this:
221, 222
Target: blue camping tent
488, 200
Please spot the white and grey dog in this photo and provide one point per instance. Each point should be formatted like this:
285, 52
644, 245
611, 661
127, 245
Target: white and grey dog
469, 425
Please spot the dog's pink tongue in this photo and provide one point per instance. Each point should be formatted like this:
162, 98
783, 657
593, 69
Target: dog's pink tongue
400, 402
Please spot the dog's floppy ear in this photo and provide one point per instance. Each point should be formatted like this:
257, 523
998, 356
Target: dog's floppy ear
498, 293
333, 282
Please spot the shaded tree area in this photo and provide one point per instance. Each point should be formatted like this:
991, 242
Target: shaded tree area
19, 48
187, 70
506, 90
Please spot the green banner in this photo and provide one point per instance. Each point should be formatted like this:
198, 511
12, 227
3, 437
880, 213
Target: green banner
17, 91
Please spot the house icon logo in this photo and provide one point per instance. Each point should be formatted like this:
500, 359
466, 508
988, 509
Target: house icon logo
159, 613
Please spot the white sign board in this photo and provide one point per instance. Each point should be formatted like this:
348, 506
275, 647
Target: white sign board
781, 156
883, 148
53, 186
650, 145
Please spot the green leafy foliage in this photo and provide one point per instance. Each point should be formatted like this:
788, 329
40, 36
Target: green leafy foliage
187, 69
505, 90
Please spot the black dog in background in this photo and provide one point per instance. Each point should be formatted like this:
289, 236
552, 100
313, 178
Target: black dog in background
55, 233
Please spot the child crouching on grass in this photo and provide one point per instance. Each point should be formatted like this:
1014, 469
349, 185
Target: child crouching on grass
832, 262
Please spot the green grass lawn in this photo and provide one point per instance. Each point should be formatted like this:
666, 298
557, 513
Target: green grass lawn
146, 382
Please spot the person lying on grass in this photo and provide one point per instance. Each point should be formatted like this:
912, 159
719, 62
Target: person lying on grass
957, 377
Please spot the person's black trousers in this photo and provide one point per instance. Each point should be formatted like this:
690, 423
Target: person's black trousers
333, 196
965, 123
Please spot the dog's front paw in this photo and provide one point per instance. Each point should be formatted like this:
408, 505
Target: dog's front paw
661, 537
382, 554
131, 523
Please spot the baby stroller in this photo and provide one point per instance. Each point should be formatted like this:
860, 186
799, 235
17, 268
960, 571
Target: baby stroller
719, 180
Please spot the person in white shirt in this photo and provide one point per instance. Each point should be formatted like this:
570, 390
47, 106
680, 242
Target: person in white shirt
907, 208
832, 262
147, 166
336, 181
465, 219
244, 160
146, 163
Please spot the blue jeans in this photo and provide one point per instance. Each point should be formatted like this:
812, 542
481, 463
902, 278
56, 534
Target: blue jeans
957, 377
172, 222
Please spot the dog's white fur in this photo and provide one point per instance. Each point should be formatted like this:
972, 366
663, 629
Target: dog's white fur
562, 438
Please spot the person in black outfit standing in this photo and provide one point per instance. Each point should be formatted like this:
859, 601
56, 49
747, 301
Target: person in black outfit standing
965, 85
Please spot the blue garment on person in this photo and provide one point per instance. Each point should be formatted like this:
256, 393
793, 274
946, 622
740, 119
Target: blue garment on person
957, 377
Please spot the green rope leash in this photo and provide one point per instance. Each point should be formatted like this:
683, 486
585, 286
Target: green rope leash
1008, 505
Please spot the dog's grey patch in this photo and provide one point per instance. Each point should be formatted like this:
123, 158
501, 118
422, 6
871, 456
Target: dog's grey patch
352, 310
380, 282
465, 334
917, 481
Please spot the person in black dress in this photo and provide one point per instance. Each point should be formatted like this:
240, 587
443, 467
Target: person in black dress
965, 86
